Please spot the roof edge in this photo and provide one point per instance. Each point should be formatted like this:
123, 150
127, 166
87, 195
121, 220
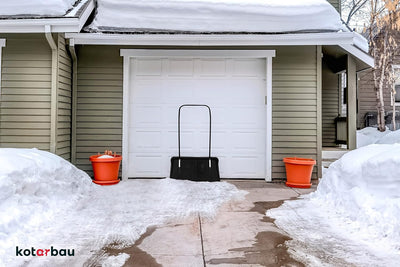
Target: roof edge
331, 38
63, 24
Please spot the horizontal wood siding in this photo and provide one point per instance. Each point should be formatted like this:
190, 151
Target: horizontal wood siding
25, 92
330, 106
64, 89
99, 112
294, 106
99, 107
336, 4
367, 97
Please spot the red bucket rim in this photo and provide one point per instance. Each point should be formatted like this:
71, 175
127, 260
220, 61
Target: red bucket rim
300, 161
95, 158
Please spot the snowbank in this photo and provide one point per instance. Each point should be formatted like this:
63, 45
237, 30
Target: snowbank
42, 7
45, 201
371, 135
354, 215
216, 16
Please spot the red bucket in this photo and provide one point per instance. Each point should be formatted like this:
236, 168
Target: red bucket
106, 170
298, 172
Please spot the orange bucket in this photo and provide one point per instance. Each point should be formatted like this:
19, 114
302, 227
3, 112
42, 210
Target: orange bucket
298, 172
105, 169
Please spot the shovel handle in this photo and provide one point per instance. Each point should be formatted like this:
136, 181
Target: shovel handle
179, 128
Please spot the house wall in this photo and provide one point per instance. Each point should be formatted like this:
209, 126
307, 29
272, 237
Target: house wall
367, 97
336, 4
25, 92
64, 87
330, 105
294, 106
99, 107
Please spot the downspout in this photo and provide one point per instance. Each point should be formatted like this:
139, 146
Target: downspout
74, 98
53, 90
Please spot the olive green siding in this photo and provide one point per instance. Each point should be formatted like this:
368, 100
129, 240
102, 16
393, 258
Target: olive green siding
99, 107
294, 106
330, 105
64, 85
25, 92
336, 4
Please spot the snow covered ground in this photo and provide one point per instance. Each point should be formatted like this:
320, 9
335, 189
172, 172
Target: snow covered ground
24, 7
354, 215
371, 135
45, 201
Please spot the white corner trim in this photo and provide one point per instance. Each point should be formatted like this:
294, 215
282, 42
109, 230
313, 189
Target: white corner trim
128, 54
2, 44
125, 117
331, 38
364, 57
268, 127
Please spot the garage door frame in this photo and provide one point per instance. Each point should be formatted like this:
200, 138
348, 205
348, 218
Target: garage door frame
128, 54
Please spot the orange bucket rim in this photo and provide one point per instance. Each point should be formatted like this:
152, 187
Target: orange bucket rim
300, 161
95, 158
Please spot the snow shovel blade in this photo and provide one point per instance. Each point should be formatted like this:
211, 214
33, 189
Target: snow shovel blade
201, 169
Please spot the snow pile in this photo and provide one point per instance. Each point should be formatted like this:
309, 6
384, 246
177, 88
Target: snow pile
354, 215
371, 135
23, 7
105, 157
392, 137
35, 185
216, 16
45, 201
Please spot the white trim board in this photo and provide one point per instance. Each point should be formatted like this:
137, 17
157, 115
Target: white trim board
2, 44
64, 24
364, 57
332, 38
127, 54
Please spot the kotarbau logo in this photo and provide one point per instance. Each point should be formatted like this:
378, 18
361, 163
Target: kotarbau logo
44, 252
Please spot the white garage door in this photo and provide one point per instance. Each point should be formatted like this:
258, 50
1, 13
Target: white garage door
235, 90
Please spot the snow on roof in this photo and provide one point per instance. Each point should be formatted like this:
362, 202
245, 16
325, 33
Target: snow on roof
261, 16
35, 8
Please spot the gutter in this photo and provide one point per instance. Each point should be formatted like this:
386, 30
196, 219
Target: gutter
74, 99
53, 90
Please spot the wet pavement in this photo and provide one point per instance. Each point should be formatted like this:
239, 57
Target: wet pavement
240, 235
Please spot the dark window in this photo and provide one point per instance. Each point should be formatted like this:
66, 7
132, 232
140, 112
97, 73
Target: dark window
397, 96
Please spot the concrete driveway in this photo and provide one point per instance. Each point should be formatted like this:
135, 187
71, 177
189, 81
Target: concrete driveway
240, 235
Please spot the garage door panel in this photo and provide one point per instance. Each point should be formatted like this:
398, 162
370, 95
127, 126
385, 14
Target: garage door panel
145, 141
212, 67
147, 67
246, 142
146, 116
180, 68
248, 68
146, 91
248, 117
150, 165
233, 88
247, 166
